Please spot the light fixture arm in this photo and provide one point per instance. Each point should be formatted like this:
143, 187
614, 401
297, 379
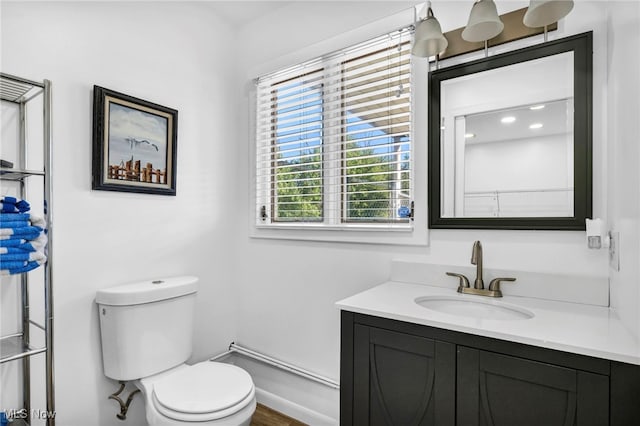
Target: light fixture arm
429, 12
427, 9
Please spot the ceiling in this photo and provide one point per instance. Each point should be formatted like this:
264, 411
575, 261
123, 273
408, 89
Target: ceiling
239, 12
556, 117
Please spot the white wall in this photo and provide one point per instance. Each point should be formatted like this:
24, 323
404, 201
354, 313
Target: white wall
174, 54
288, 288
623, 129
274, 296
531, 163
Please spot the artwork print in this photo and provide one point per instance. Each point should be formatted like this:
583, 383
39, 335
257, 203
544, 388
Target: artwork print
134, 144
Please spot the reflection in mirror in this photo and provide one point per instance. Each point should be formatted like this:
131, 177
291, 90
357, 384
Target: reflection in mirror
517, 162
508, 148
513, 140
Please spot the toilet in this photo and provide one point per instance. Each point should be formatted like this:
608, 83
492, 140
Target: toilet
146, 330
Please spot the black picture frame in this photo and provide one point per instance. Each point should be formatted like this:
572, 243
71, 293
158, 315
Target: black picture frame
582, 47
134, 144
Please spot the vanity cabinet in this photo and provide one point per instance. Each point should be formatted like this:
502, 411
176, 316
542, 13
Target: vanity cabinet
398, 373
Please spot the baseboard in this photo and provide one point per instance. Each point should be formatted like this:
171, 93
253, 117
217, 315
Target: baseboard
293, 410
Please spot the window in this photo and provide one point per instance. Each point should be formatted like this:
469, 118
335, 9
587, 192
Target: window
333, 141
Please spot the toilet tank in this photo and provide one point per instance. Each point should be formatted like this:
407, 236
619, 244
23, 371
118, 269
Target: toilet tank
146, 327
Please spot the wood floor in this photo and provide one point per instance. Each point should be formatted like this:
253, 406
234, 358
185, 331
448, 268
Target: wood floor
265, 416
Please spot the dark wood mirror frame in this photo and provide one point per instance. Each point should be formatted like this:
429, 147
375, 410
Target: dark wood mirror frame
582, 47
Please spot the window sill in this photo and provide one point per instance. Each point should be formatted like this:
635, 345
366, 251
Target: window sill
365, 234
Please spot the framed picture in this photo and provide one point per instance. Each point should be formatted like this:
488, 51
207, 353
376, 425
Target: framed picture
134, 144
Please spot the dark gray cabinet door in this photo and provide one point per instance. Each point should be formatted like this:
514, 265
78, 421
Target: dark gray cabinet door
402, 379
500, 390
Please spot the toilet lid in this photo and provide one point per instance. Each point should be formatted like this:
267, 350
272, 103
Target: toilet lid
205, 388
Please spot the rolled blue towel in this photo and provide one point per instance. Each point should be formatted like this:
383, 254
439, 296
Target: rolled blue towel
12, 242
24, 252
6, 250
20, 257
14, 220
20, 268
12, 264
25, 232
13, 217
13, 205
23, 244
14, 250
4, 224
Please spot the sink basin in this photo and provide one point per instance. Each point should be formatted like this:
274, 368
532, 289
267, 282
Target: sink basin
474, 308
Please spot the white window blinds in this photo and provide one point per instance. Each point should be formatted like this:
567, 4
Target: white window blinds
334, 139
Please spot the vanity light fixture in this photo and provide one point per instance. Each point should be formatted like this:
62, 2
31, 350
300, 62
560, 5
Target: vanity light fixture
535, 126
507, 120
545, 12
542, 13
536, 107
484, 22
469, 135
428, 38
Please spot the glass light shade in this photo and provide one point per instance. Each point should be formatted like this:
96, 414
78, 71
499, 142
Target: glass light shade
545, 12
484, 22
428, 38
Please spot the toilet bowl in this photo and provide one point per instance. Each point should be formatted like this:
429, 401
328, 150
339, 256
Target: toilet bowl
208, 393
146, 335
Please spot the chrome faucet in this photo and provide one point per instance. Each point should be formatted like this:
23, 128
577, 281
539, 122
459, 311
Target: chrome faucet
478, 285
476, 259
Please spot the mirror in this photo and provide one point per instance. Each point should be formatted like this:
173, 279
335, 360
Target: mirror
510, 139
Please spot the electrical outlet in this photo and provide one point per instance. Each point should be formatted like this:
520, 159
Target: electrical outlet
614, 250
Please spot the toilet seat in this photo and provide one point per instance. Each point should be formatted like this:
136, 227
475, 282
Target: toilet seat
203, 392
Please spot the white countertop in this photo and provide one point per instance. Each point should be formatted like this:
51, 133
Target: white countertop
582, 329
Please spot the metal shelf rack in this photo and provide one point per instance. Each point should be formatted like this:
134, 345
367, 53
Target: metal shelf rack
18, 346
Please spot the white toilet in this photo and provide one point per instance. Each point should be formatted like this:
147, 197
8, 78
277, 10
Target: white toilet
146, 331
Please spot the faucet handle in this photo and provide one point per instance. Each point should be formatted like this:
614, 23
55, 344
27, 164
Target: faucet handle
464, 281
494, 285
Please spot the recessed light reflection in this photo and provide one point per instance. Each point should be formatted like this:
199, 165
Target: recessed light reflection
535, 126
508, 119
469, 135
536, 107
